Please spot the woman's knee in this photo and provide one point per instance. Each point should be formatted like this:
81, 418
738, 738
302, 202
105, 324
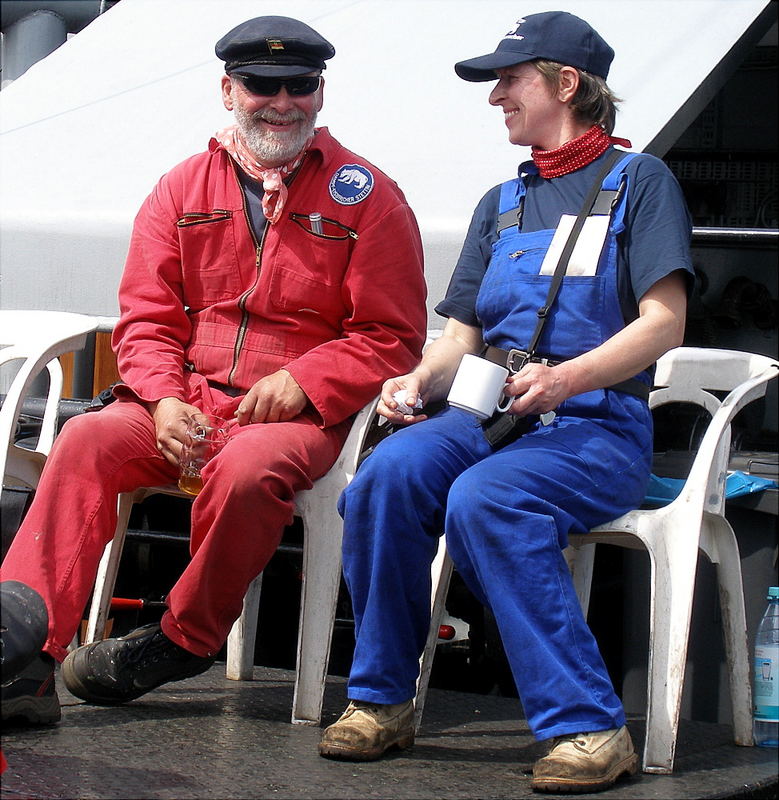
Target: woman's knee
398, 457
468, 501
484, 506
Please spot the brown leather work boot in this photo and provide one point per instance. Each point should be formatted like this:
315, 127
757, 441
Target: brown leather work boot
366, 731
585, 762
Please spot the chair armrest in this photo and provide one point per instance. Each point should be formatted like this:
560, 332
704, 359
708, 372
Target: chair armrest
355, 441
705, 484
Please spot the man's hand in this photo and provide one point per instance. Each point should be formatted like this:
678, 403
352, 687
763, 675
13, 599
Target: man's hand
275, 398
171, 417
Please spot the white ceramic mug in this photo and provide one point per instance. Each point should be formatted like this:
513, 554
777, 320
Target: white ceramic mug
478, 387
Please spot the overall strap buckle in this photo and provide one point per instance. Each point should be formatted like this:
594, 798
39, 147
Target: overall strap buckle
513, 360
516, 359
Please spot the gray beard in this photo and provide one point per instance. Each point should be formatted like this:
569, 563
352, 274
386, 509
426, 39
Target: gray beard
273, 149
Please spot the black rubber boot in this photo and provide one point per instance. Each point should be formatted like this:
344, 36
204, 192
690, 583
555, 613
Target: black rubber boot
31, 698
23, 627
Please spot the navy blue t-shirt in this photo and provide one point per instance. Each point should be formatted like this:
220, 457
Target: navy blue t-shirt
655, 242
253, 192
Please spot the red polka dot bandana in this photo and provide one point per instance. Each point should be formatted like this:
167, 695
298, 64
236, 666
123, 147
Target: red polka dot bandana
575, 154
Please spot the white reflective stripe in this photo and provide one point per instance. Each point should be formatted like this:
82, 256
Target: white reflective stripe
586, 253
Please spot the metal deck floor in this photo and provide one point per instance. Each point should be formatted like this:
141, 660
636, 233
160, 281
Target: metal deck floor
208, 737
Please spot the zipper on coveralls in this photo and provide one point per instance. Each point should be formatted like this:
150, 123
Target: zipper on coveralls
243, 327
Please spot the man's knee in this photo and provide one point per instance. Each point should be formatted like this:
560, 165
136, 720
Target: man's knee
87, 432
104, 438
244, 475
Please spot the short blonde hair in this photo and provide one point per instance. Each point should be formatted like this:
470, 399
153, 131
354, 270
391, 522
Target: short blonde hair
593, 102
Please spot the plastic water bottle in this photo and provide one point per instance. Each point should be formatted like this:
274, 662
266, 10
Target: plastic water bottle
766, 695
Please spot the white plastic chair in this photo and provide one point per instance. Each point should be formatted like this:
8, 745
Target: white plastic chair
323, 532
36, 339
673, 535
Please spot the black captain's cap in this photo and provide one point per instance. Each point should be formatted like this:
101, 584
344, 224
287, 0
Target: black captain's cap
273, 47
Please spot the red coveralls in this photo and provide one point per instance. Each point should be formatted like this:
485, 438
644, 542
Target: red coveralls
204, 306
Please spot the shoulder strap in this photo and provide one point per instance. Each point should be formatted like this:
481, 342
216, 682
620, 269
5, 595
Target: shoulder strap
565, 255
512, 199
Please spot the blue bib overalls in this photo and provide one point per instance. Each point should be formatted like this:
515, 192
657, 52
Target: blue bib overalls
507, 512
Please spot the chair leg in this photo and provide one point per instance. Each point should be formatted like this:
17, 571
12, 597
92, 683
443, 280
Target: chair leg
672, 587
734, 626
107, 571
581, 559
319, 597
441, 573
243, 635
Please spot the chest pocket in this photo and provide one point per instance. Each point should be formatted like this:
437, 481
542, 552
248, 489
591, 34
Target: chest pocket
308, 272
209, 258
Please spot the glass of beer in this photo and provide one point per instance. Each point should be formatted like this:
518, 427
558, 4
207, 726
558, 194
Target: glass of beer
206, 435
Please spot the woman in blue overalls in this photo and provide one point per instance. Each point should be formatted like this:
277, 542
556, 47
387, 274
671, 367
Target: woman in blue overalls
508, 505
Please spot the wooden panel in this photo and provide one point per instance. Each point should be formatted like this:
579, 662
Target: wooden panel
105, 372
67, 374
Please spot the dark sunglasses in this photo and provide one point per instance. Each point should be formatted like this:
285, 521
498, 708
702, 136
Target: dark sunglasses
268, 87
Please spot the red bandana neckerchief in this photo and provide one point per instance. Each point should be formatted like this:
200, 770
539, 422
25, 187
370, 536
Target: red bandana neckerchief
272, 178
575, 154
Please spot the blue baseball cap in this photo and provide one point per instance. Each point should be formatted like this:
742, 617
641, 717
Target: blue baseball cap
551, 35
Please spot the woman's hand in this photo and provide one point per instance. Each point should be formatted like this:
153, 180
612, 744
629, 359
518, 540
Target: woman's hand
659, 327
431, 380
537, 389
388, 405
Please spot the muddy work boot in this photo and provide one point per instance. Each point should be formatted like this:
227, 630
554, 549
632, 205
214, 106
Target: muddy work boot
585, 762
366, 731
117, 670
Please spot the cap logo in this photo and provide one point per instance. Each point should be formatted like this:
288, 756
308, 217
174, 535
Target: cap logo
351, 184
275, 45
515, 34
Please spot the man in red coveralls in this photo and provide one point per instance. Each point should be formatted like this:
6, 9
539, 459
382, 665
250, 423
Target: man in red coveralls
239, 300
